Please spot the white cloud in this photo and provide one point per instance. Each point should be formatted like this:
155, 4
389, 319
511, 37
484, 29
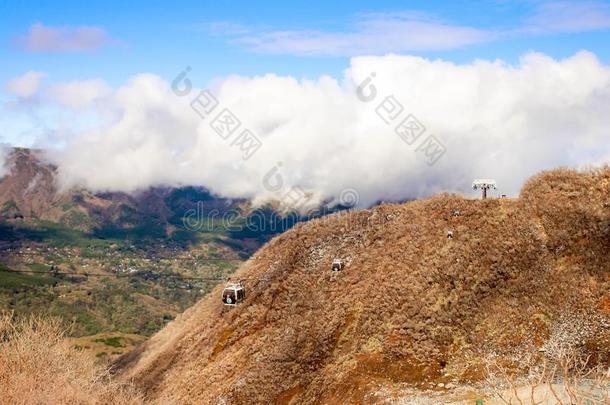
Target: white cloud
374, 34
568, 16
4, 154
80, 93
42, 38
26, 85
496, 120
44, 114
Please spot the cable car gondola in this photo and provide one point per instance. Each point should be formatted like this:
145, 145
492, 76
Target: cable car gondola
338, 265
233, 293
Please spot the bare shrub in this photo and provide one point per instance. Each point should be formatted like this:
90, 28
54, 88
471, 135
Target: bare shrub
38, 366
563, 377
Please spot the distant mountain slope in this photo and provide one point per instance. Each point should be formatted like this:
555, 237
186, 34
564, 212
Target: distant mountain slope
29, 191
29, 188
412, 305
29, 195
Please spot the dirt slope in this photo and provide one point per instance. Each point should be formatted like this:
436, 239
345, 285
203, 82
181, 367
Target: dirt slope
411, 306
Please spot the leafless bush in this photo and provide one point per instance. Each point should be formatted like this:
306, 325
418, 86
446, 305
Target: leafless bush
38, 366
563, 377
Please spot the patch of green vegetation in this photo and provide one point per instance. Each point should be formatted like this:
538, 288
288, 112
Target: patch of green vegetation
60, 235
9, 206
39, 267
226, 266
76, 219
9, 279
86, 323
148, 230
67, 206
114, 341
184, 237
53, 234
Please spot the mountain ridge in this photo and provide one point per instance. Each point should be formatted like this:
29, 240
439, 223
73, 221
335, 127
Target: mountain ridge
412, 307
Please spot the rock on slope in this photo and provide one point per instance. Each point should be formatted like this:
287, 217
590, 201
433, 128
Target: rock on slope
411, 306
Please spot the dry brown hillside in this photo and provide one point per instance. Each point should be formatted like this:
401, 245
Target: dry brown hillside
411, 306
38, 366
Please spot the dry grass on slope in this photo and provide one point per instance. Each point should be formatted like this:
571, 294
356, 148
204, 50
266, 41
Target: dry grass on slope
411, 306
37, 366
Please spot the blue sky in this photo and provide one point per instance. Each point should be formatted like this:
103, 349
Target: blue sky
218, 38
72, 80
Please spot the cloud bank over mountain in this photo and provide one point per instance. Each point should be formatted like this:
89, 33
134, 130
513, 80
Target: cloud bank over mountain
4, 150
323, 139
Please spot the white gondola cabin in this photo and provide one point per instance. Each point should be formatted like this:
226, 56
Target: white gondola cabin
233, 293
338, 265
